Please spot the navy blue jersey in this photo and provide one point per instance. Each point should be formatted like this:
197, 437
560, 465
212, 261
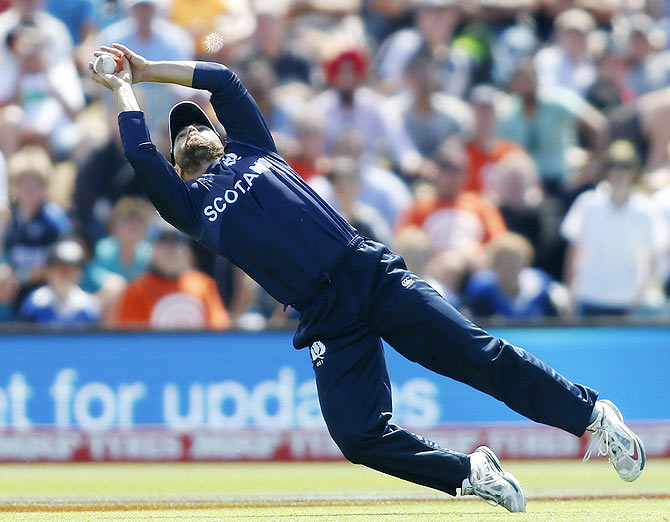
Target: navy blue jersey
249, 206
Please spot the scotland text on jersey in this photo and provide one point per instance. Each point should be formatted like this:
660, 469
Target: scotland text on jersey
230, 196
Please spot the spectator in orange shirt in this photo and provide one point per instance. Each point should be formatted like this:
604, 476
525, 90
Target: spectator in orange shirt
452, 218
170, 295
485, 149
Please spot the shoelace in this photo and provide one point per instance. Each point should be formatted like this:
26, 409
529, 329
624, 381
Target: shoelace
600, 439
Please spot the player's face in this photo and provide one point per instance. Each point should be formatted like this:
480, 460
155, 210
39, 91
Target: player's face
194, 134
194, 146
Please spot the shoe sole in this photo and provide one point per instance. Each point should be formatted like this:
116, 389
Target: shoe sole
633, 434
509, 478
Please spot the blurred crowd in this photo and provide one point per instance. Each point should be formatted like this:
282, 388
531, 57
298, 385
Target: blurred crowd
516, 153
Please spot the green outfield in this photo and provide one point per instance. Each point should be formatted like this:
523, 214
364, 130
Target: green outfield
557, 491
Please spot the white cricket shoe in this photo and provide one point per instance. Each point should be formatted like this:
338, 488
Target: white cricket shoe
488, 481
616, 440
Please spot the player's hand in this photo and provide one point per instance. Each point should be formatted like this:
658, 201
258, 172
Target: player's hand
123, 76
138, 63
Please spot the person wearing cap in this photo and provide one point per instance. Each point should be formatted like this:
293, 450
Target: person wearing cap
61, 302
242, 200
615, 235
566, 63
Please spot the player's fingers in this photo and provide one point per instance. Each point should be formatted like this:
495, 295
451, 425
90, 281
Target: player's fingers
111, 50
124, 50
125, 65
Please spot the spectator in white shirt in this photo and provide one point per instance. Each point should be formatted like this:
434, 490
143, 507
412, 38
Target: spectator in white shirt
615, 236
566, 64
40, 90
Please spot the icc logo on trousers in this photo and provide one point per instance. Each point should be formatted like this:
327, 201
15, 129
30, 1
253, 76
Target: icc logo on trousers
317, 351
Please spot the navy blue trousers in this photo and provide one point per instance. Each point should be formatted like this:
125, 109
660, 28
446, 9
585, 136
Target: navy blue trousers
372, 296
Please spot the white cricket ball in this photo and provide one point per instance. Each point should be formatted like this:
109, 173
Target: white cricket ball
104, 63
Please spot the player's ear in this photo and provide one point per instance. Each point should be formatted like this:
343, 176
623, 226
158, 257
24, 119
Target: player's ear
179, 171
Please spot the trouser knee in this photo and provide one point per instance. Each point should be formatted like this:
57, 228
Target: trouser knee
355, 447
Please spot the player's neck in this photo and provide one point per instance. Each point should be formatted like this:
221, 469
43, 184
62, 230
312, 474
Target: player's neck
195, 173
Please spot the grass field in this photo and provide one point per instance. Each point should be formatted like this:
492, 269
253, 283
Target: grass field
338, 492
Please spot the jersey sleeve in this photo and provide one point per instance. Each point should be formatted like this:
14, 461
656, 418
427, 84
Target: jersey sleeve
235, 108
167, 191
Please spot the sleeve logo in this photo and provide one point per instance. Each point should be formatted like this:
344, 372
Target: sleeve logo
317, 351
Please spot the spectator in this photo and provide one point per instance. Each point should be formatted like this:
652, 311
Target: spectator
345, 178
384, 17
434, 25
145, 30
516, 189
380, 189
260, 81
429, 116
210, 21
566, 64
273, 44
485, 149
170, 295
451, 218
510, 287
545, 123
30, 13
615, 236
649, 69
125, 252
77, 15
446, 272
514, 45
644, 123
61, 302
610, 89
35, 222
309, 139
348, 105
43, 93
103, 177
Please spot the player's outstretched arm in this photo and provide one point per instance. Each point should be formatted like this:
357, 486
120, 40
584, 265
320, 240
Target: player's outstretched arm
235, 108
143, 70
167, 191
